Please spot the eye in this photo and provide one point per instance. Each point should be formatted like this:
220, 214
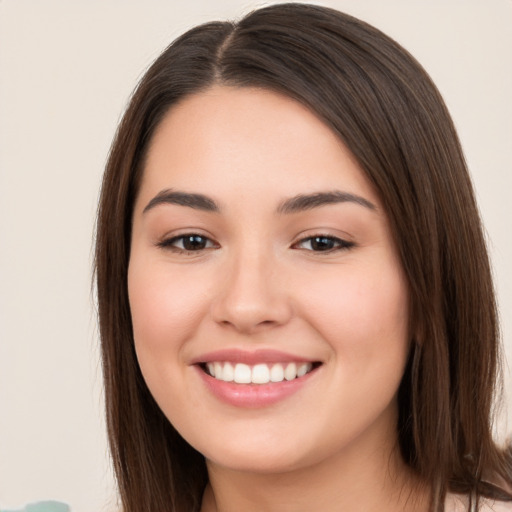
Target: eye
322, 243
190, 242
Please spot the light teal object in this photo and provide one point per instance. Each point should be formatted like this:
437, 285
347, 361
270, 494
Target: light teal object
43, 506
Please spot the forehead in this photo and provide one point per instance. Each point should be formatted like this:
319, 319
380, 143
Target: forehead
248, 141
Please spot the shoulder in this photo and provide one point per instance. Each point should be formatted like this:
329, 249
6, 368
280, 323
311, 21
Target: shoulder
460, 503
496, 506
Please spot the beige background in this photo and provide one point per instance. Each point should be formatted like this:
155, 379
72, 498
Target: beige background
66, 71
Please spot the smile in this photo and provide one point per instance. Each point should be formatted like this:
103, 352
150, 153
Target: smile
254, 379
261, 373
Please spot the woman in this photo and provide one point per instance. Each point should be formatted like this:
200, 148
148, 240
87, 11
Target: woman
295, 300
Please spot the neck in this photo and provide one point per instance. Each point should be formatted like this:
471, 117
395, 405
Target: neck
355, 480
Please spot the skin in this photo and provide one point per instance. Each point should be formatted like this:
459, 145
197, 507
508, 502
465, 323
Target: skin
259, 282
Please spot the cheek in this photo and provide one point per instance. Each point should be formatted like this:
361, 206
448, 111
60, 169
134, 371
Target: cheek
362, 313
166, 307
166, 310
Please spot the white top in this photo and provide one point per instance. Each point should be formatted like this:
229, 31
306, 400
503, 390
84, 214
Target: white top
459, 503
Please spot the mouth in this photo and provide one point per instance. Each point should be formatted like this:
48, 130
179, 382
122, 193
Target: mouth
255, 379
258, 374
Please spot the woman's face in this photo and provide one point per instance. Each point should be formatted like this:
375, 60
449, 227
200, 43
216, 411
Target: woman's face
269, 306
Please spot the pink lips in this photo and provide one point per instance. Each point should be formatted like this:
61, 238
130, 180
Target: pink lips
258, 356
251, 395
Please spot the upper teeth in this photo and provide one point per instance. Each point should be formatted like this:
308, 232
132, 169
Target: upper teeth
259, 373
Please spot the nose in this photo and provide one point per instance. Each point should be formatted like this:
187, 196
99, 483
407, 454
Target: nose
252, 295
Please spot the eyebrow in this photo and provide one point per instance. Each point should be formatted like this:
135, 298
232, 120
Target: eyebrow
303, 202
295, 204
195, 201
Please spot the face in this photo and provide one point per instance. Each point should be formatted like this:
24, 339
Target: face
269, 306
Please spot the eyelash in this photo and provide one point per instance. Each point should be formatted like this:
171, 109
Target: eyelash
171, 243
337, 244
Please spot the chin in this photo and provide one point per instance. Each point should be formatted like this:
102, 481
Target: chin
263, 453
263, 462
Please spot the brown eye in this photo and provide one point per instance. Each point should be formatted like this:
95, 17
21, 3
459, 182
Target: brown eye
188, 243
323, 243
194, 242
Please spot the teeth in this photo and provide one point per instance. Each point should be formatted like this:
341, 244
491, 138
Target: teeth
228, 373
303, 369
242, 374
259, 373
290, 372
277, 373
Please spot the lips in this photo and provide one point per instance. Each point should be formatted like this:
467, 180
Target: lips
254, 379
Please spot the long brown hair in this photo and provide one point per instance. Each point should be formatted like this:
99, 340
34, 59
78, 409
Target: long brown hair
385, 109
